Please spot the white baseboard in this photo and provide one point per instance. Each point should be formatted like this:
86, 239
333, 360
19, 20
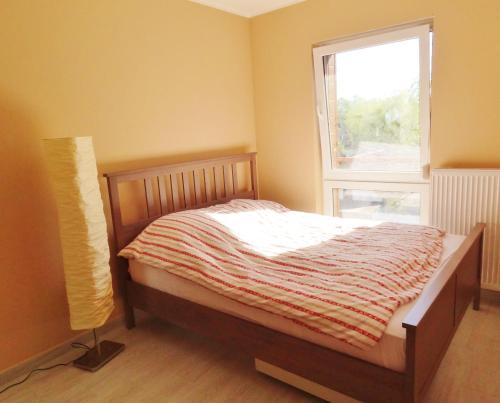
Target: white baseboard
10, 374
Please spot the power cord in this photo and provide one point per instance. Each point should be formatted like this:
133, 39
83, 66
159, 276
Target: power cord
65, 364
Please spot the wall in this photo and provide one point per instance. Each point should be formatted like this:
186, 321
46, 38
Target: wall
152, 81
465, 89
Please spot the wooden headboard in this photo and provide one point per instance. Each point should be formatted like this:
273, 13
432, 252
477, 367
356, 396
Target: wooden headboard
183, 186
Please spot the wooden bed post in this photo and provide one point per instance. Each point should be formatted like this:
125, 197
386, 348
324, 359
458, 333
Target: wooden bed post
122, 264
477, 295
254, 176
409, 394
123, 279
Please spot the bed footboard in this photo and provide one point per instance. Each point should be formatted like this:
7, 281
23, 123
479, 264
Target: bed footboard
431, 323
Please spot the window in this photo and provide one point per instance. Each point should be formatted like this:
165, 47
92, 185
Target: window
373, 110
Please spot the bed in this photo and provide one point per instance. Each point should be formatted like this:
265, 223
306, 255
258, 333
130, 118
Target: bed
398, 369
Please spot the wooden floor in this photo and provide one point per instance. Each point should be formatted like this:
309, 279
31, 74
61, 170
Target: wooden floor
163, 363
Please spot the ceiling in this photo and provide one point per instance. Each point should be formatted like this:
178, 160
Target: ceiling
247, 8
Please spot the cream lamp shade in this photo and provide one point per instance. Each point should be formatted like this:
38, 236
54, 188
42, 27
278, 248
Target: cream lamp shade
82, 227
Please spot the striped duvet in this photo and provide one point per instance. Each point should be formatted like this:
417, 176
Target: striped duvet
341, 278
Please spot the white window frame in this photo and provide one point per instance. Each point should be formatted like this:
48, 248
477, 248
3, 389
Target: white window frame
338, 178
422, 188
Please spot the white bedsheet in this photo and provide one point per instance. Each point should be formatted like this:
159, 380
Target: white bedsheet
389, 352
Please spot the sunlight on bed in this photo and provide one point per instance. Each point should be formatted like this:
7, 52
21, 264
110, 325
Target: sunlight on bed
272, 233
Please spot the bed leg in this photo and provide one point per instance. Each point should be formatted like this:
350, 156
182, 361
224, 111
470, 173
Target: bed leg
476, 303
129, 316
411, 345
123, 280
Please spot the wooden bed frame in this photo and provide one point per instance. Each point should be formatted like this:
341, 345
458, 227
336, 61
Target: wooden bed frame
430, 325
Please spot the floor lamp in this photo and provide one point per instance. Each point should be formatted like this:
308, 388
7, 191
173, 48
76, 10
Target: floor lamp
82, 226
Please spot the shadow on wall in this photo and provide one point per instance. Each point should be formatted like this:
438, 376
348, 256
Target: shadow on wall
33, 308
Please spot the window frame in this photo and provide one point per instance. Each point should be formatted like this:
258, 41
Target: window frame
416, 181
421, 188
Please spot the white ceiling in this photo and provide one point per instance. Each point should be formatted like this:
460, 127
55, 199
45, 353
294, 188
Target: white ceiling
247, 8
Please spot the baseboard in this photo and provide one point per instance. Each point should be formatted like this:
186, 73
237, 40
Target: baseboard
10, 374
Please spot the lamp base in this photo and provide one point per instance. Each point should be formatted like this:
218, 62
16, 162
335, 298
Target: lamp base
92, 360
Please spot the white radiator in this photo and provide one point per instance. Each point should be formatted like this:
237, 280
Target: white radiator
460, 198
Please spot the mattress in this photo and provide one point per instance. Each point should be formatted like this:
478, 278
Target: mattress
388, 353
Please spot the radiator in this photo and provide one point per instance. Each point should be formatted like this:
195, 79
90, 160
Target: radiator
460, 198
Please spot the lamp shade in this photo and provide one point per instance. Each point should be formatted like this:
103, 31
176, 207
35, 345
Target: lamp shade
82, 226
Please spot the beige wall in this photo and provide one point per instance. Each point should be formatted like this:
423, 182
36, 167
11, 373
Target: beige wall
465, 93
162, 80
152, 81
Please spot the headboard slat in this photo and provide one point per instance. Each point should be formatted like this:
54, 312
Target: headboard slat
208, 184
255, 185
175, 191
148, 187
197, 187
234, 170
219, 183
186, 189
227, 180
163, 195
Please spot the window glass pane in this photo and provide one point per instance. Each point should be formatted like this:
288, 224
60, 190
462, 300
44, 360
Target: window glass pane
373, 107
379, 205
